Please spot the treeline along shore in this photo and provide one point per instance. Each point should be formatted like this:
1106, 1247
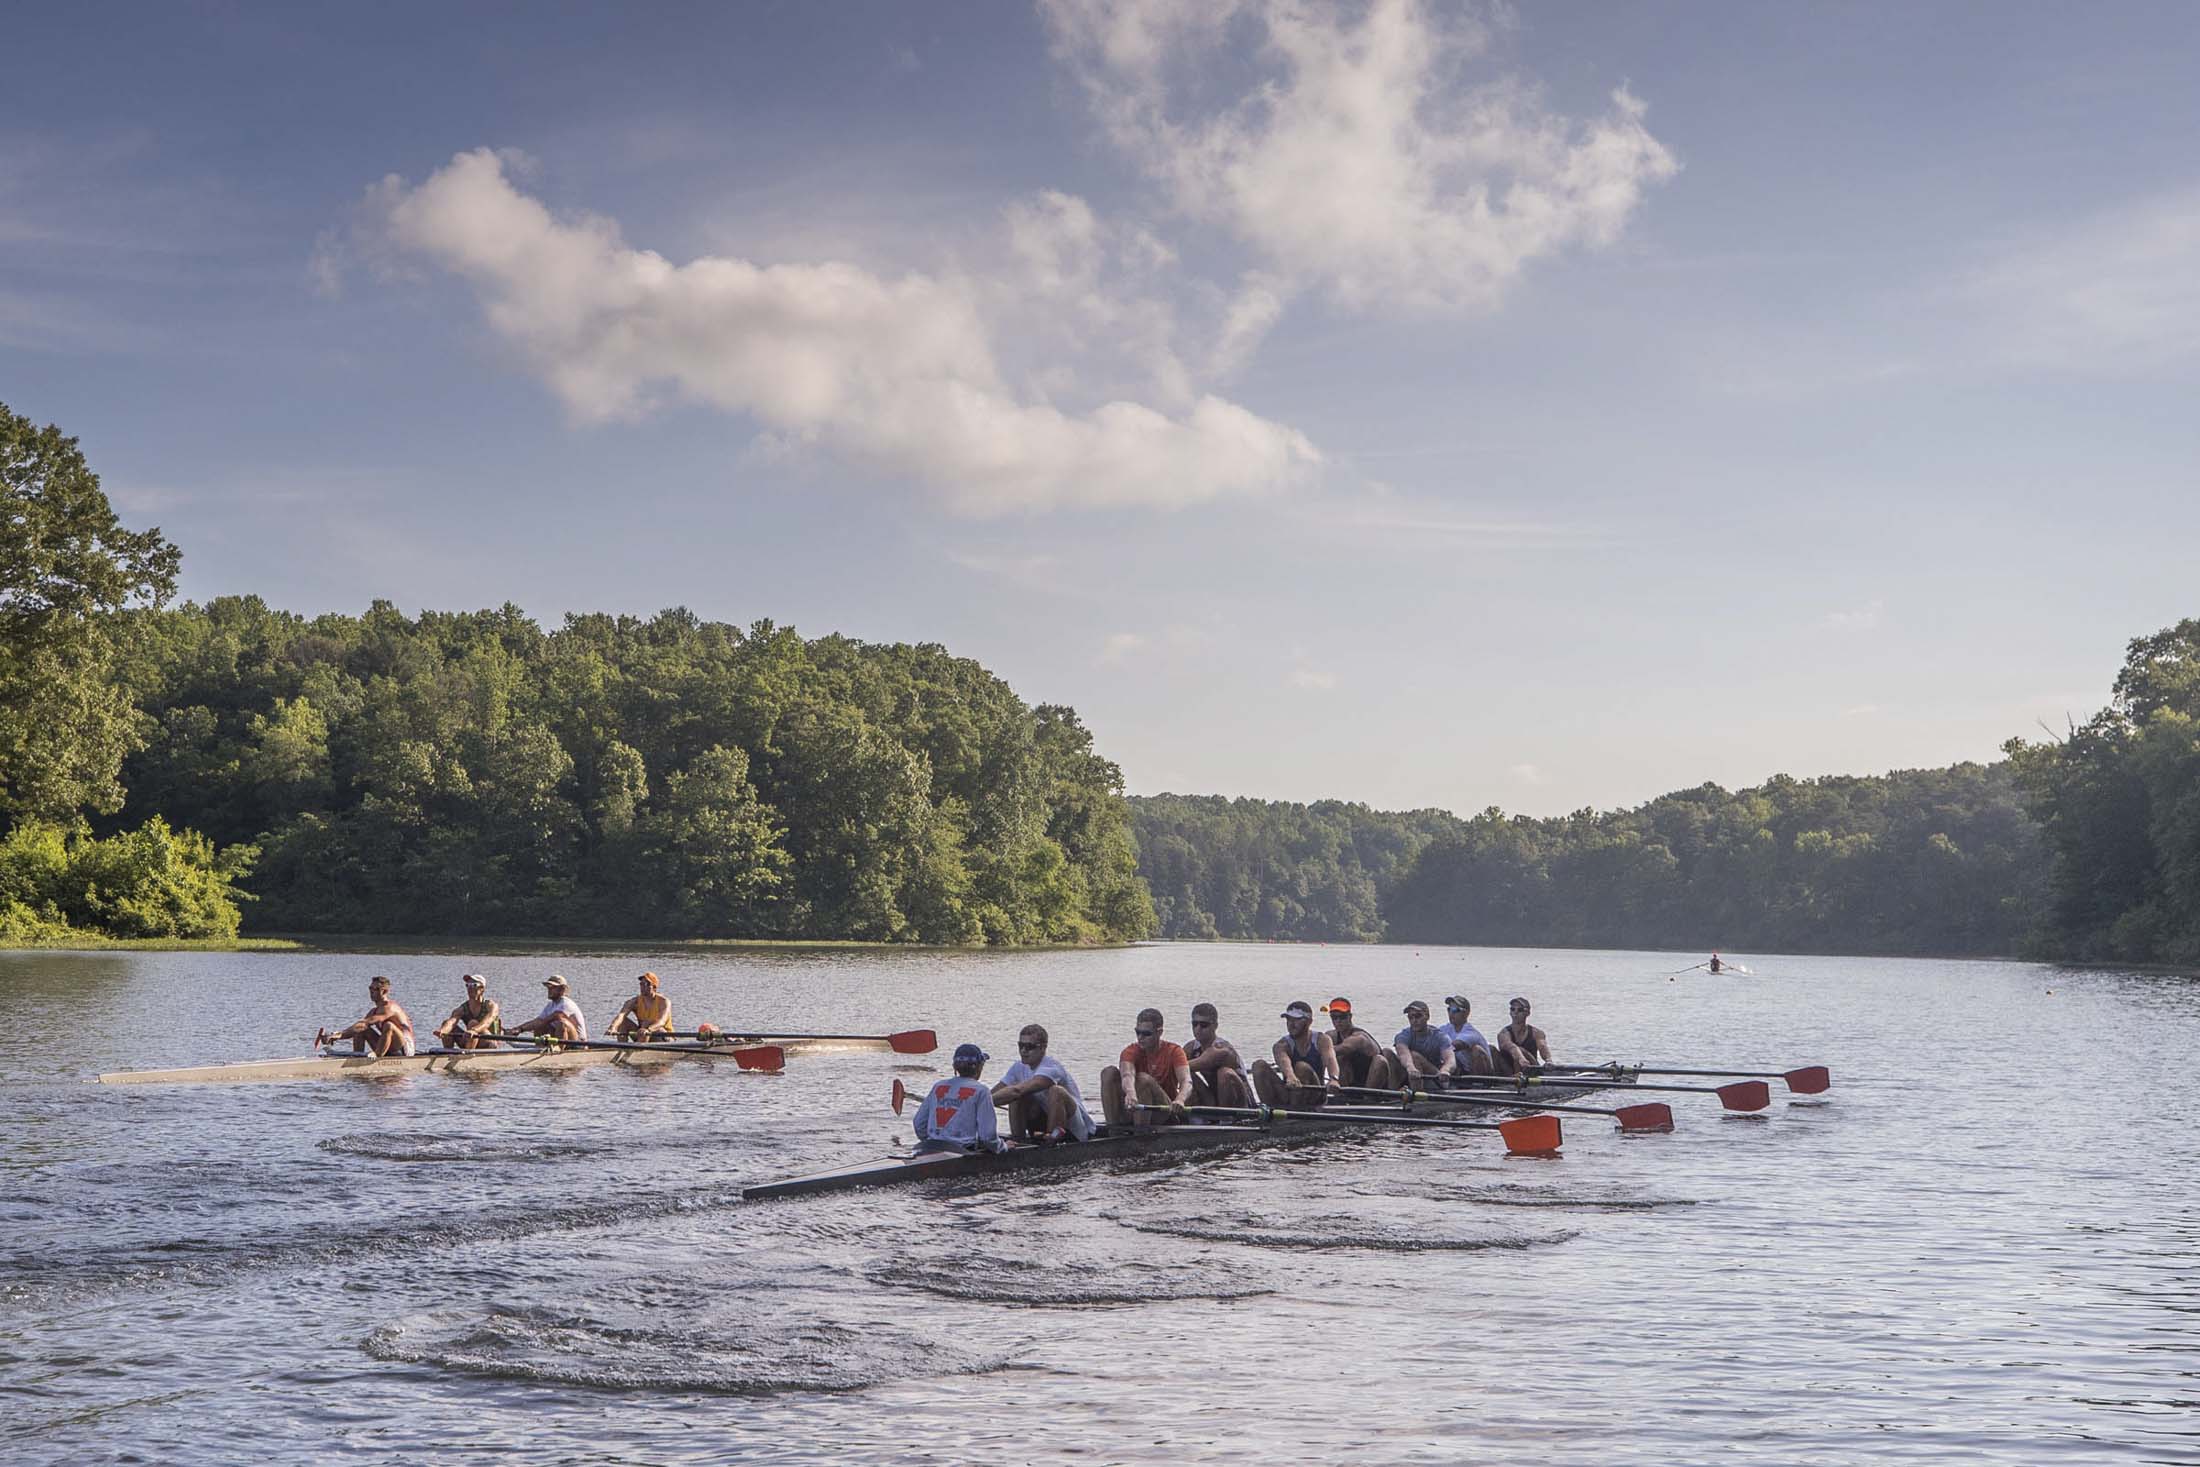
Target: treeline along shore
189, 772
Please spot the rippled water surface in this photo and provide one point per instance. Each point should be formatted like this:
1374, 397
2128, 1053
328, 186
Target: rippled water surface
1979, 1246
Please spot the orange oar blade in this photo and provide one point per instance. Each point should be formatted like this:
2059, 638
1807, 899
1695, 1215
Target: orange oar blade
1531, 1135
901, 1096
914, 1041
761, 1057
1812, 1080
1653, 1116
1745, 1095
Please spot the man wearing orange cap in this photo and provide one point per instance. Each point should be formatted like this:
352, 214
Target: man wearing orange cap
647, 1015
1360, 1057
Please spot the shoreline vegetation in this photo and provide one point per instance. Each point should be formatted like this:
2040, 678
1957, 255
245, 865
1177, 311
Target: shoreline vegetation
207, 775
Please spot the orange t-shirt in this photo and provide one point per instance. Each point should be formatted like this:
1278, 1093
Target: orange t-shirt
1160, 1066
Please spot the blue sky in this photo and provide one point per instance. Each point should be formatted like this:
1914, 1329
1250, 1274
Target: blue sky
1422, 405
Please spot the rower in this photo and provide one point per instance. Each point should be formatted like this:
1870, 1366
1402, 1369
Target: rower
1300, 1057
1218, 1074
1040, 1095
1418, 1050
1470, 1052
385, 1030
1715, 965
1520, 1045
1149, 1071
647, 1015
1361, 1060
473, 1022
957, 1112
560, 1017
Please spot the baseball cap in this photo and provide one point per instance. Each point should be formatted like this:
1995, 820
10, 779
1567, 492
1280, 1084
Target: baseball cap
1338, 1006
1298, 1011
970, 1054
648, 977
474, 980
556, 980
1457, 1002
1416, 1007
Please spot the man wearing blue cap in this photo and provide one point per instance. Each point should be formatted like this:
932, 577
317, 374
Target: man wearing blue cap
957, 1113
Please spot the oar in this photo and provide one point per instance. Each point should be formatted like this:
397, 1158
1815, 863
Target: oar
908, 1041
1741, 1095
748, 1057
1651, 1115
1809, 1080
1692, 967
1528, 1136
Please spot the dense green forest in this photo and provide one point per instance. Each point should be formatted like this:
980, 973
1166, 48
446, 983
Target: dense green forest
176, 772
1923, 861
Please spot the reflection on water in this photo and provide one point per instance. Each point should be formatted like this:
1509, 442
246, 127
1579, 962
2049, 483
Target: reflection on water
1957, 1254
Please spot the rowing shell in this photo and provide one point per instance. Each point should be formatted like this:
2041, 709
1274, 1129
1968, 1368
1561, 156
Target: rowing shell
461, 1061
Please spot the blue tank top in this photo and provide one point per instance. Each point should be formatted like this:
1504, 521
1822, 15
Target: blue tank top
1311, 1058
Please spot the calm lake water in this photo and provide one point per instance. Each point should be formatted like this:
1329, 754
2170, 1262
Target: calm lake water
1983, 1245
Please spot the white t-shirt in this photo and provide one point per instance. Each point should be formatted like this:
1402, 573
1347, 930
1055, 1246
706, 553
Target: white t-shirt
565, 1006
1080, 1126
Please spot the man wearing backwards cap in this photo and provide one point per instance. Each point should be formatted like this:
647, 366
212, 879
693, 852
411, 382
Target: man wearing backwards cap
1419, 1050
647, 1015
1300, 1057
473, 1023
1470, 1052
560, 1017
956, 1114
1360, 1057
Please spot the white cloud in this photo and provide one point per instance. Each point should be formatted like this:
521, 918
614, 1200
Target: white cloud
897, 374
1352, 160
1312, 679
1528, 774
1863, 618
1120, 647
2116, 291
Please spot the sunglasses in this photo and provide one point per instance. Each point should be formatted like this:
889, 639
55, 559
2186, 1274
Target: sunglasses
1203, 1023
1146, 1033
1029, 1044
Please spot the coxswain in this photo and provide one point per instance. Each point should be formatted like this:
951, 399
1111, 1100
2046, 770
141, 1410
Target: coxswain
1300, 1057
1470, 1052
957, 1112
1150, 1071
1361, 1060
385, 1030
560, 1017
1040, 1095
1520, 1045
1218, 1073
473, 1023
647, 1015
1419, 1049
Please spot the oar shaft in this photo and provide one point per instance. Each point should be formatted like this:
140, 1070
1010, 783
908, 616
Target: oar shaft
1267, 1113
1450, 1097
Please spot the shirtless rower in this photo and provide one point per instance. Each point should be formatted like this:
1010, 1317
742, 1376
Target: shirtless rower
1300, 1057
1040, 1095
1470, 1051
1420, 1049
473, 1023
647, 1015
1149, 1071
385, 1030
1520, 1045
560, 1017
1218, 1073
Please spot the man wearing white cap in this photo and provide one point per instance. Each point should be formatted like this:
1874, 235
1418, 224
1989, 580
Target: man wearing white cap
560, 1017
473, 1023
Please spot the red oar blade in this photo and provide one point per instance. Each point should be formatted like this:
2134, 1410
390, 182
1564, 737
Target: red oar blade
1745, 1095
914, 1041
1531, 1135
1651, 1116
901, 1096
1811, 1080
761, 1057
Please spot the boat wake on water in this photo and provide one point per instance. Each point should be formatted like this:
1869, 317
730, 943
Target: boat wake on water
428, 1146
1063, 1284
1331, 1234
1516, 1196
764, 1352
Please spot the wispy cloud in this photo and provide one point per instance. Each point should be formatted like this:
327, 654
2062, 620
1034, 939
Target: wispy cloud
1120, 647
1352, 162
1527, 774
1863, 618
2115, 291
